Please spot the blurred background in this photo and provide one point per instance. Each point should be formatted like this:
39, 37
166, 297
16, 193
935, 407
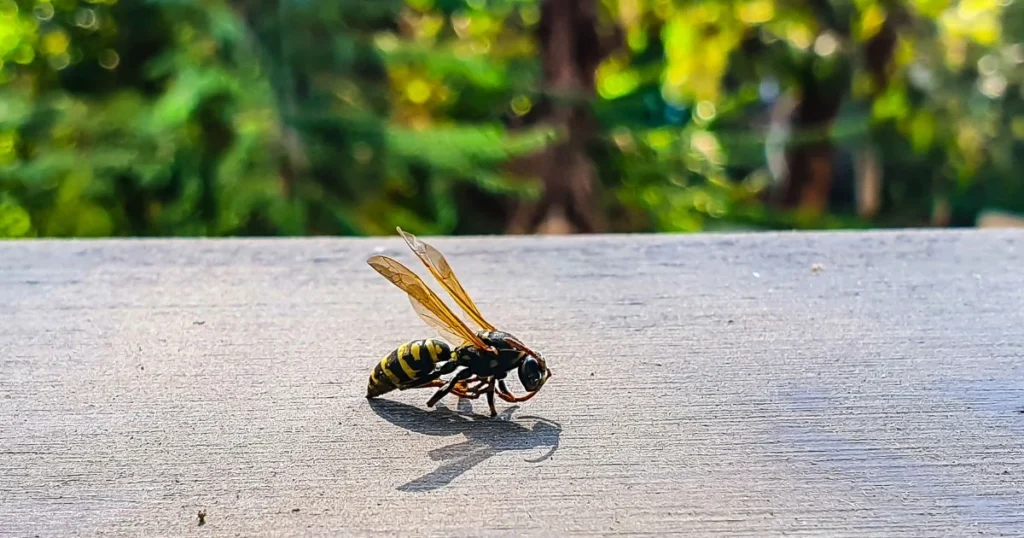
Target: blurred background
294, 117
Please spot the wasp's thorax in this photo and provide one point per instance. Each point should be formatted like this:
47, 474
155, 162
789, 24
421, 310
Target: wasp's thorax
485, 361
512, 355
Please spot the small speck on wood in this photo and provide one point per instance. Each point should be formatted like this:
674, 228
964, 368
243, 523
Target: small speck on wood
202, 518
295, 509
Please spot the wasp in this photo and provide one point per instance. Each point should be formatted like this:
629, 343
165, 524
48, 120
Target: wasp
483, 357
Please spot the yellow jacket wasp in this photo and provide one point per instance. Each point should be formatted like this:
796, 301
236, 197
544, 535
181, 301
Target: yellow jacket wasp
484, 356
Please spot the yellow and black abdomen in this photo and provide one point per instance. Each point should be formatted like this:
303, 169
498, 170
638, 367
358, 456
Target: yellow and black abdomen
407, 365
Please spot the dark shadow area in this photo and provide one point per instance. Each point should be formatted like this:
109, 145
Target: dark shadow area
485, 437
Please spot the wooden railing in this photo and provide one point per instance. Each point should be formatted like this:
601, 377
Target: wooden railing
855, 384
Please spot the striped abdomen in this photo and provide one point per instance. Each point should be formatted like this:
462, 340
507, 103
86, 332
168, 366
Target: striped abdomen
411, 361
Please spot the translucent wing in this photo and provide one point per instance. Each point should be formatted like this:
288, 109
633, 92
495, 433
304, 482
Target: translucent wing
425, 302
442, 271
431, 319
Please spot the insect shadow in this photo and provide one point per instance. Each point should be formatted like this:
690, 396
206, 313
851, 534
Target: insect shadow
485, 438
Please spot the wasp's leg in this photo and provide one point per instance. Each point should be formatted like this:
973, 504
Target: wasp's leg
462, 391
458, 390
490, 398
430, 379
428, 384
484, 387
506, 395
463, 385
441, 392
480, 382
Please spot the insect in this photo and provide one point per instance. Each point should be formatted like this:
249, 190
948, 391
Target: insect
483, 357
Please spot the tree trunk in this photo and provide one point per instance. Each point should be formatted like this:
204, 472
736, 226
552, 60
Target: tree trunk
571, 49
807, 174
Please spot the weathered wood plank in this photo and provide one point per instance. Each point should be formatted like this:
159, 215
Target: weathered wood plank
706, 384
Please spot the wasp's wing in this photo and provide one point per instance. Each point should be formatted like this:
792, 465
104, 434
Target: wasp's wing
431, 319
425, 302
442, 271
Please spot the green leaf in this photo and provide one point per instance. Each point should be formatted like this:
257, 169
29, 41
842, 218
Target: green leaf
14, 220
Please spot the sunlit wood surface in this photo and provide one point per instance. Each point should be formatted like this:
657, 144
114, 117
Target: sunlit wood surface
852, 384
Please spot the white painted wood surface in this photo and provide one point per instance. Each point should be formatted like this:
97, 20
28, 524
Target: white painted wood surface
704, 385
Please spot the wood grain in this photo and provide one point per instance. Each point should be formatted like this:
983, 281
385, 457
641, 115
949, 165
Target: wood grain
704, 385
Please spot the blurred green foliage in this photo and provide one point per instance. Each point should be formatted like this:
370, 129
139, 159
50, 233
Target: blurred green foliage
290, 117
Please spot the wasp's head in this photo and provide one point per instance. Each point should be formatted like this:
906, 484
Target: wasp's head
532, 369
533, 373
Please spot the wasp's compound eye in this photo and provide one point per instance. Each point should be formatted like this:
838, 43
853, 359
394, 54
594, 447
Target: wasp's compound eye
530, 374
